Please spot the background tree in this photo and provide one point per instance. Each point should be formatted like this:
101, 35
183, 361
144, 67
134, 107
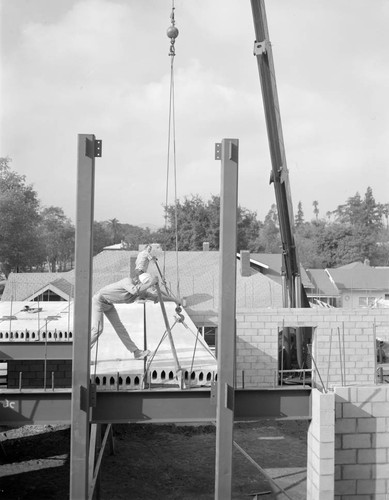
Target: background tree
307, 235
135, 236
20, 246
363, 223
199, 222
316, 209
57, 236
116, 233
269, 239
101, 236
299, 217
248, 229
336, 245
385, 213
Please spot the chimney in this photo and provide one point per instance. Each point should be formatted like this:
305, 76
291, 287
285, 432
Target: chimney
206, 246
245, 263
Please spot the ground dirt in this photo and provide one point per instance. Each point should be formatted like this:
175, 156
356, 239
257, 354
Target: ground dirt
168, 462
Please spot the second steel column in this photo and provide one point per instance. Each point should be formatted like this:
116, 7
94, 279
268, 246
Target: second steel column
228, 153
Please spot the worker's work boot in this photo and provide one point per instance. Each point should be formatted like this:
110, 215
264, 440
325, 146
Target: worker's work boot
138, 354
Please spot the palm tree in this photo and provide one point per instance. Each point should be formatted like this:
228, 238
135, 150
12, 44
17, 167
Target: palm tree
114, 228
316, 209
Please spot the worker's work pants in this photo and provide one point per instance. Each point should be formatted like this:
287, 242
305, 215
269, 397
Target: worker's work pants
101, 307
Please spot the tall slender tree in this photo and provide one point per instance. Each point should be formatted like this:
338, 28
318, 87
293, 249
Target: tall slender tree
299, 217
20, 245
316, 209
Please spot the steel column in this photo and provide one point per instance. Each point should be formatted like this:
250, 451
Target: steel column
80, 408
227, 319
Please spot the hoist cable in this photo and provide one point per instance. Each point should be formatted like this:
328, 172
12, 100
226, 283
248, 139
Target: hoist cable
172, 33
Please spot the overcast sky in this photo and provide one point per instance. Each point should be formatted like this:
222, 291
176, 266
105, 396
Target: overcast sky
102, 67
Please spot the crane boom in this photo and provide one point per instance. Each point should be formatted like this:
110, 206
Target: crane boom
292, 286
279, 173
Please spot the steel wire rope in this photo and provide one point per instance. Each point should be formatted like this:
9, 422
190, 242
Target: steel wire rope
172, 33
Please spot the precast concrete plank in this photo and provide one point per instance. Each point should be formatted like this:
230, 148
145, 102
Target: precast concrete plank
145, 325
112, 365
51, 319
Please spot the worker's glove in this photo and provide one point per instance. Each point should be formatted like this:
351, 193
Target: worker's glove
154, 280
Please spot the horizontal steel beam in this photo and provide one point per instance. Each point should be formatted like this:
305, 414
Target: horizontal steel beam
168, 406
36, 350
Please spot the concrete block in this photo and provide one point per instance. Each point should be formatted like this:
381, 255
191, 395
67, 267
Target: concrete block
325, 495
326, 483
371, 456
371, 486
346, 425
272, 325
381, 440
371, 394
346, 487
357, 471
327, 467
327, 418
350, 410
345, 457
343, 317
381, 471
313, 492
351, 441
380, 409
259, 325
342, 392
338, 410
249, 318
250, 332
246, 337
371, 424
323, 450
327, 402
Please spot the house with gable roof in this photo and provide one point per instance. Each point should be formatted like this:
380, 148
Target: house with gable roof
323, 290
359, 284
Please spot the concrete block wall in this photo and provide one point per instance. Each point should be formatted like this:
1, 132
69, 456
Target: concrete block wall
343, 344
257, 348
321, 447
33, 373
362, 443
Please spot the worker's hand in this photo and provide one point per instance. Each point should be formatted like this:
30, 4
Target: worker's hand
154, 281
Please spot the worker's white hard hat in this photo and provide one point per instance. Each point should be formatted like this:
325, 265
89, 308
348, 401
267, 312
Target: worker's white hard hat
145, 278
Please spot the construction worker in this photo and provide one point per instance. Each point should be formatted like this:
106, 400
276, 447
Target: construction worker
124, 291
143, 259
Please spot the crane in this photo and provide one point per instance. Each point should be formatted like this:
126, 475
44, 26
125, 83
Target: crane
294, 295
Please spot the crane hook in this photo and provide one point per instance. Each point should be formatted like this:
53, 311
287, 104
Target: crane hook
172, 32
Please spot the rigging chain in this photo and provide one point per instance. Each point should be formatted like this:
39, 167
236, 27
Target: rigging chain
172, 33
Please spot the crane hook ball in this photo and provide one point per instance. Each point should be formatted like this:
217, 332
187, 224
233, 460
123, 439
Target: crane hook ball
172, 32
